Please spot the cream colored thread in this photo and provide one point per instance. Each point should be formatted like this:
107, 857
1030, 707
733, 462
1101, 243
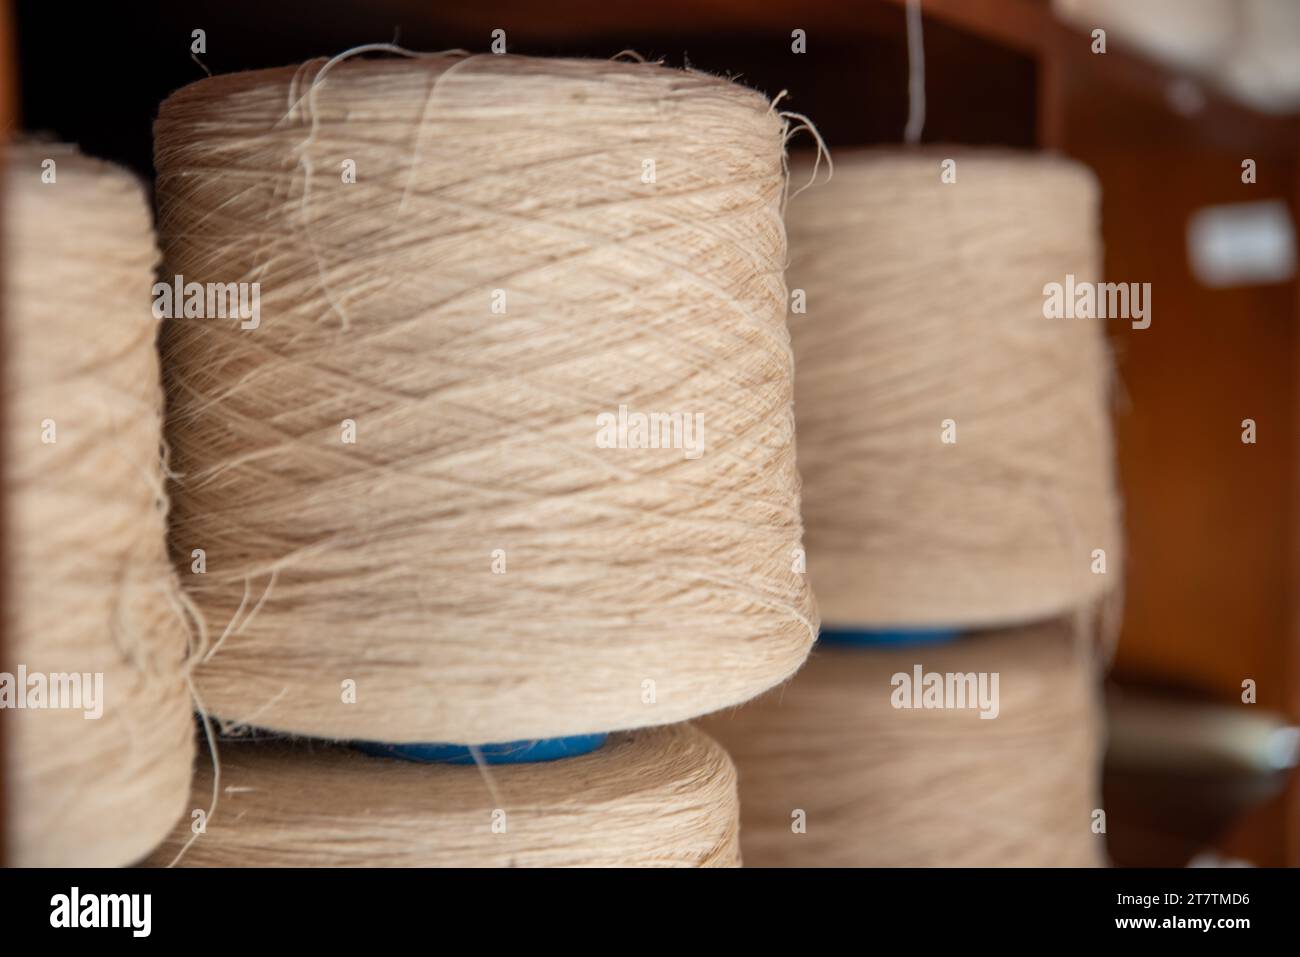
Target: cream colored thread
476, 430
915, 74
91, 589
661, 797
886, 787
924, 304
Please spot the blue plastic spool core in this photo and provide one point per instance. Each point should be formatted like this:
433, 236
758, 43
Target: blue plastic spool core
892, 637
507, 752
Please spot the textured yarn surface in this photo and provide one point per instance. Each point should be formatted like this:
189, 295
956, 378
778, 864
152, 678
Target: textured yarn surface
664, 797
90, 588
888, 787
924, 307
475, 561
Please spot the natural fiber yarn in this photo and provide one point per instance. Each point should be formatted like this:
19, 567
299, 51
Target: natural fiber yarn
925, 323
528, 245
886, 787
661, 797
91, 590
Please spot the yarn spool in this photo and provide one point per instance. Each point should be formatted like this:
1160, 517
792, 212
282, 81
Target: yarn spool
625, 221
91, 592
925, 306
661, 797
887, 787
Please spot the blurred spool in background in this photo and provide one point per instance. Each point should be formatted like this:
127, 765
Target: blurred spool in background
1247, 48
881, 786
480, 180
958, 472
91, 591
925, 307
658, 797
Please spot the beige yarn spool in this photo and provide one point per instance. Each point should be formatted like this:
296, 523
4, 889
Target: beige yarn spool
91, 590
640, 586
925, 304
882, 787
662, 797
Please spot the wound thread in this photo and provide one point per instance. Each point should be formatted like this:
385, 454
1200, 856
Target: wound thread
94, 614
475, 560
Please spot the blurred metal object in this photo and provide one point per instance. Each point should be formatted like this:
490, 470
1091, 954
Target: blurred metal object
1180, 774
1158, 733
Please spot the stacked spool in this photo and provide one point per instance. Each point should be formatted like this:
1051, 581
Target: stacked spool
958, 475
415, 504
93, 696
